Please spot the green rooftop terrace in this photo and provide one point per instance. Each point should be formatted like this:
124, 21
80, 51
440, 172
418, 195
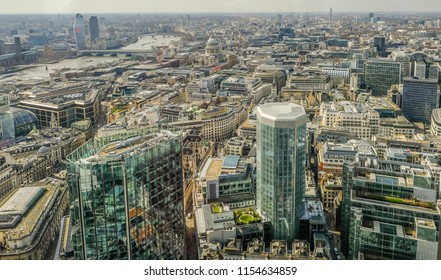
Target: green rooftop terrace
246, 216
398, 200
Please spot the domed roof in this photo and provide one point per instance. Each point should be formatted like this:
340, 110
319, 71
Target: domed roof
43, 150
212, 42
23, 117
418, 56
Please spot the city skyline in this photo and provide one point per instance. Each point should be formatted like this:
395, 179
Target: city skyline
224, 135
229, 6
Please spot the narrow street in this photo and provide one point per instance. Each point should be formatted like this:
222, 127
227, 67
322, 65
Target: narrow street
190, 237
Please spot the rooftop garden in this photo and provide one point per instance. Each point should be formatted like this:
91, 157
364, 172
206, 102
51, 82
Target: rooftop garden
246, 216
398, 200
217, 208
215, 112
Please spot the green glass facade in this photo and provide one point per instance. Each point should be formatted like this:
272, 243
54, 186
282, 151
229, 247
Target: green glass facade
128, 204
381, 74
281, 164
382, 208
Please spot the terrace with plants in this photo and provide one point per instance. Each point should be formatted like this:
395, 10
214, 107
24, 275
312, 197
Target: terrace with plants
246, 216
398, 200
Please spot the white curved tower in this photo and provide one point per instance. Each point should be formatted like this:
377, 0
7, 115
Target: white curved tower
79, 32
281, 166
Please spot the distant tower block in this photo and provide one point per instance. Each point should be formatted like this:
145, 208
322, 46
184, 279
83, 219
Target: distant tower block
79, 32
94, 29
330, 16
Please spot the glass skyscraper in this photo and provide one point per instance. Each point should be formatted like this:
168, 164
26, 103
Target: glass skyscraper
127, 198
94, 29
281, 164
79, 32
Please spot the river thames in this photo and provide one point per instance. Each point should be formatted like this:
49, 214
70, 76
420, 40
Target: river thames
145, 42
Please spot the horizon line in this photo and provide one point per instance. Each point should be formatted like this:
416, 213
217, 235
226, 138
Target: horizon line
229, 13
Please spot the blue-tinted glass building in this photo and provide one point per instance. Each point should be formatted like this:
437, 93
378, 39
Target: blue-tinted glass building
420, 98
127, 198
79, 32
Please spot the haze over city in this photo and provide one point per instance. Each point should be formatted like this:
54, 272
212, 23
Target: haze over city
227, 6
220, 130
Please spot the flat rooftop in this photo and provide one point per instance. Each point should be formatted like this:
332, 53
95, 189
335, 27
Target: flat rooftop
117, 149
29, 220
215, 167
281, 111
212, 168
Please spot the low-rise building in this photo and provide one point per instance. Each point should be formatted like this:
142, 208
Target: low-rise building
217, 224
257, 250
227, 179
8, 178
354, 118
330, 187
63, 107
313, 221
394, 127
41, 153
217, 123
435, 124
331, 156
30, 218
310, 80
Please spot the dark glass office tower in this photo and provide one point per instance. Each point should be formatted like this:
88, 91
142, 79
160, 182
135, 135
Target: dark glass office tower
380, 44
127, 198
94, 29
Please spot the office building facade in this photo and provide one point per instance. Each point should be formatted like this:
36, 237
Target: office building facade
380, 45
420, 98
281, 164
94, 29
389, 211
380, 74
127, 198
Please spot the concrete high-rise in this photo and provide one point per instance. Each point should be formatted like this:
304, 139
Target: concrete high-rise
127, 198
94, 29
281, 164
79, 32
420, 98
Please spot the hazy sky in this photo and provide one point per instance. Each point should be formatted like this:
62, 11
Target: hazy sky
197, 6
